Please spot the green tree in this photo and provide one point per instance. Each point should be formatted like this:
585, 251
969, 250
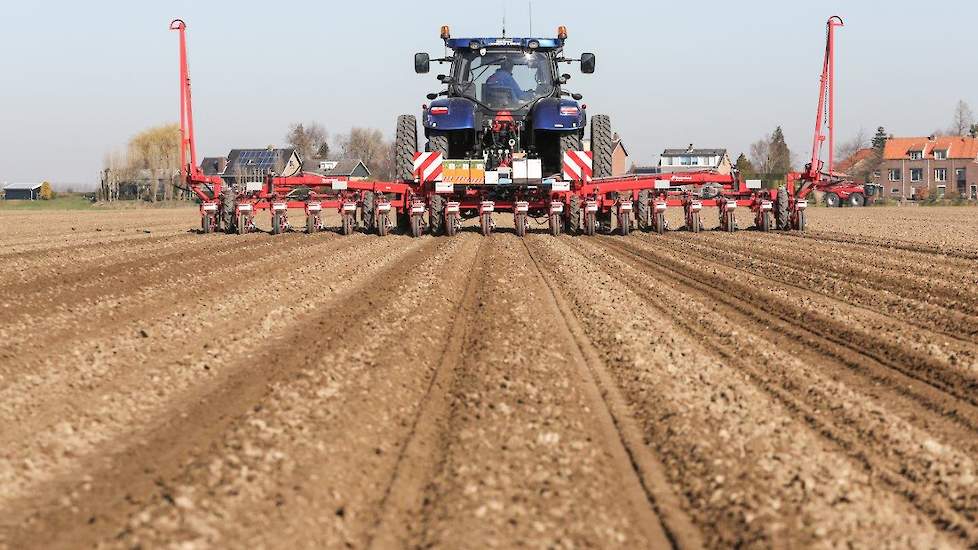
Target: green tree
879, 140
779, 154
744, 166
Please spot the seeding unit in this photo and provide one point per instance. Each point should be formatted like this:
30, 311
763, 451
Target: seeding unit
576, 199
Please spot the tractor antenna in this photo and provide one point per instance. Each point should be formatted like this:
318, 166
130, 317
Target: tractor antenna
530, 5
504, 19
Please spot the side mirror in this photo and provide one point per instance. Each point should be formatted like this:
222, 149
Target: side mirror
422, 63
442, 78
432, 96
565, 77
587, 63
577, 97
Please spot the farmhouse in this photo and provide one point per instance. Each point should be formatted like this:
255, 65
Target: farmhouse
344, 168
22, 191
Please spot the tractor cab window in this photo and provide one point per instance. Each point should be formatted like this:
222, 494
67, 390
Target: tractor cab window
505, 79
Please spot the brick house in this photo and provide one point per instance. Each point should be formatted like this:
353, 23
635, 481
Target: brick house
691, 159
945, 166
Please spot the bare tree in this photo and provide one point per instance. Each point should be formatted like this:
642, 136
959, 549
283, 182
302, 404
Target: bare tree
962, 120
760, 153
310, 140
369, 146
851, 146
157, 150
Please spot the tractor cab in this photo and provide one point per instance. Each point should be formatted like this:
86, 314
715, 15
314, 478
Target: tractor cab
504, 97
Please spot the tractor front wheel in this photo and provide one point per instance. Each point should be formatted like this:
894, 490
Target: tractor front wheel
624, 223
574, 215
346, 228
555, 224
436, 214
643, 210
416, 225
520, 223
485, 224
276, 224
660, 223
589, 224
382, 220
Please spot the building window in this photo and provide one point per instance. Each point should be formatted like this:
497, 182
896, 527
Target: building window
959, 174
974, 192
916, 155
687, 161
940, 154
876, 174
916, 174
940, 191
895, 174
940, 174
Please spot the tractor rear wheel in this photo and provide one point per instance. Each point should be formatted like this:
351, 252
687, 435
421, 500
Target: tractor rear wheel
602, 146
857, 199
574, 215
643, 209
436, 214
367, 211
405, 145
781, 213
485, 224
438, 143
832, 200
568, 142
311, 225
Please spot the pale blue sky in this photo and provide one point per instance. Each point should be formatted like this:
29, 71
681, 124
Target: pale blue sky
77, 79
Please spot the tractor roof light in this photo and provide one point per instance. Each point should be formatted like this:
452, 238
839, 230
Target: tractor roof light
445, 34
533, 44
474, 45
562, 32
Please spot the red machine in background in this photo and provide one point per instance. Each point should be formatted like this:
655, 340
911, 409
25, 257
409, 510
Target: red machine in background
838, 187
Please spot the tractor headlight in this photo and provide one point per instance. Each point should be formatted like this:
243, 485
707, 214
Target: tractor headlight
533, 44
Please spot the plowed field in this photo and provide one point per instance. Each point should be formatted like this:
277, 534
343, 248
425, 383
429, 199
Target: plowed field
160, 388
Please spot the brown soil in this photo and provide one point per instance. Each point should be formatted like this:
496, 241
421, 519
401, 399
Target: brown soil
160, 388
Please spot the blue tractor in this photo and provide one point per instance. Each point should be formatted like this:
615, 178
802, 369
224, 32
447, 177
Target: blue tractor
504, 97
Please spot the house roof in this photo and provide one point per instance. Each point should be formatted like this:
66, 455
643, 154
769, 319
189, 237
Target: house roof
956, 147
213, 166
342, 167
696, 152
12, 186
620, 143
854, 159
256, 161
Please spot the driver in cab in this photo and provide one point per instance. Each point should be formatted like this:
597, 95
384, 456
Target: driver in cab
503, 79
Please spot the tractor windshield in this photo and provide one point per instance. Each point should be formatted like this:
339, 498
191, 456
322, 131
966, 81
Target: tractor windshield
507, 80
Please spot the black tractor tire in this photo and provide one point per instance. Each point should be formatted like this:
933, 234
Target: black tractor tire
451, 227
568, 142
436, 214
346, 227
643, 210
574, 215
602, 146
438, 143
765, 225
381, 219
276, 224
403, 220
367, 211
693, 223
205, 224
226, 218
242, 226
832, 200
311, 225
782, 215
405, 146
857, 200
485, 225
